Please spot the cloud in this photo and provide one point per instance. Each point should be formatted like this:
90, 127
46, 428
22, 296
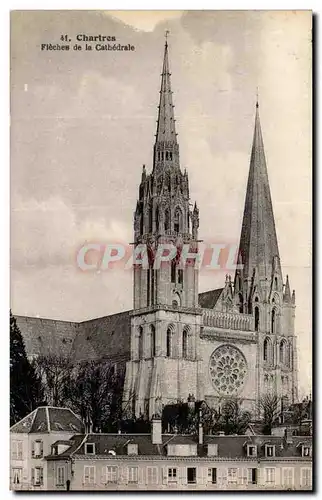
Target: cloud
144, 20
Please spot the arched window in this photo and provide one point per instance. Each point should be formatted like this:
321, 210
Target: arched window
276, 283
180, 276
177, 221
169, 343
184, 343
273, 319
173, 271
166, 220
283, 352
267, 350
150, 220
170, 155
157, 219
152, 341
140, 342
167, 155
240, 305
256, 319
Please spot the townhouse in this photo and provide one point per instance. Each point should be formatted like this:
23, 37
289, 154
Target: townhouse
159, 461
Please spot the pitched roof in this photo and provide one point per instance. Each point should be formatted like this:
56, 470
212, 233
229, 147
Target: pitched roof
228, 446
49, 419
44, 336
106, 337
208, 299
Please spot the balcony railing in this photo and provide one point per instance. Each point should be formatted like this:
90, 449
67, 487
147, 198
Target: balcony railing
229, 321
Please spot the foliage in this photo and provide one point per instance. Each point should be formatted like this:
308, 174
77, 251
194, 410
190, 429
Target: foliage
55, 371
235, 420
26, 390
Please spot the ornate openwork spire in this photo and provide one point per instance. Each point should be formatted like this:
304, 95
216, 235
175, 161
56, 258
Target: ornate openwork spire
258, 242
166, 147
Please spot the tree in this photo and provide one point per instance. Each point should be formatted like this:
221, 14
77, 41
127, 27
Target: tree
269, 407
26, 389
56, 372
95, 393
234, 419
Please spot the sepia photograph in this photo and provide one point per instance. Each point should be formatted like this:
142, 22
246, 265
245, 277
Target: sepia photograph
161, 251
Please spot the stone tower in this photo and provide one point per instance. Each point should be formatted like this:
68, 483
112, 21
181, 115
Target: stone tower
258, 286
165, 321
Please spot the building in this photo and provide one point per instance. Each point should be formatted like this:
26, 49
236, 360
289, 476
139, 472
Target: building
30, 441
179, 462
238, 340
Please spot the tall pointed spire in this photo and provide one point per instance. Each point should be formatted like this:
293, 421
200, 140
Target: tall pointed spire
287, 291
258, 242
166, 150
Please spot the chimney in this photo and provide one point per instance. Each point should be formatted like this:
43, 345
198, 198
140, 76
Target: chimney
156, 430
200, 433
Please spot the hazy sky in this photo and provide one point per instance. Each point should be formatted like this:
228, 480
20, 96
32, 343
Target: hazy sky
83, 123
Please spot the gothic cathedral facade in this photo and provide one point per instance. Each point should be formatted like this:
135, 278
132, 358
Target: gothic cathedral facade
237, 341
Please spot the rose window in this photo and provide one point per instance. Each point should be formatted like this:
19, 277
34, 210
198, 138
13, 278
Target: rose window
228, 370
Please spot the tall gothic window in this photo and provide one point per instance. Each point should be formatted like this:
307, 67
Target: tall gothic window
273, 320
157, 219
283, 352
268, 351
166, 220
153, 350
180, 276
240, 298
150, 219
140, 342
169, 343
184, 343
256, 319
173, 271
177, 221
148, 280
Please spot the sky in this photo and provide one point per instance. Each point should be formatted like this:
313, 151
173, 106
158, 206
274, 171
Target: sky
83, 124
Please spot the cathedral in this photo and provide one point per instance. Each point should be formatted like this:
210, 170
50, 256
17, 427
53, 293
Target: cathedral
176, 343
237, 341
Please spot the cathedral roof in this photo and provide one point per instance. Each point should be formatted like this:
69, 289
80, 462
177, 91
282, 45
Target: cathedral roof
166, 124
98, 338
258, 241
208, 300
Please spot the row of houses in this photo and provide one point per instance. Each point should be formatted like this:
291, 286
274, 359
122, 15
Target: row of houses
50, 450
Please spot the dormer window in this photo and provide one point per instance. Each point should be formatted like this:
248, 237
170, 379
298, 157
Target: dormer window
89, 449
132, 449
251, 450
306, 451
270, 450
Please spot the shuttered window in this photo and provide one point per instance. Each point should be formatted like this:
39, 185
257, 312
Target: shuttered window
172, 474
232, 475
288, 476
212, 475
152, 475
37, 476
252, 476
16, 476
270, 475
132, 474
89, 474
111, 474
16, 450
37, 449
60, 475
306, 476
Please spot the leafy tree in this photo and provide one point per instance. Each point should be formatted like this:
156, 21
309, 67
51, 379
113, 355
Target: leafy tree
26, 389
269, 407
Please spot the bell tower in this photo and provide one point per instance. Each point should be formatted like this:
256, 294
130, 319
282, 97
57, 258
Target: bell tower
165, 321
259, 289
